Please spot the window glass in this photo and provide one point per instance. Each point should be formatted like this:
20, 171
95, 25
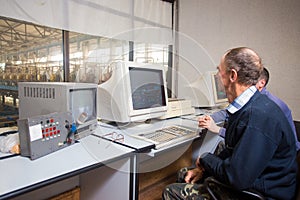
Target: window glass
28, 52
31, 52
154, 53
90, 56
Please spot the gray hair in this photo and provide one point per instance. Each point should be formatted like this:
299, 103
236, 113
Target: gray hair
246, 62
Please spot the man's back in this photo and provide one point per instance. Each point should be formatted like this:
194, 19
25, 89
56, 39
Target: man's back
221, 115
264, 152
287, 112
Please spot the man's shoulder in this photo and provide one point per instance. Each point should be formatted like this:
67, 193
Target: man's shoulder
277, 100
262, 104
262, 110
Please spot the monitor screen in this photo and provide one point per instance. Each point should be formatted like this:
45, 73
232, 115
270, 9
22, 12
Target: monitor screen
147, 88
82, 104
219, 90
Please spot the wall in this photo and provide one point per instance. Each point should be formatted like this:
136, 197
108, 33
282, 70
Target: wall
271, 27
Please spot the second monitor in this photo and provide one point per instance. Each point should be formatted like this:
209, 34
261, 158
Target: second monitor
134, 92
205, 91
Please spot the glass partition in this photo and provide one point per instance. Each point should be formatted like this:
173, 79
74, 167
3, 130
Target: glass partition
28, 52
31, 52
90, 56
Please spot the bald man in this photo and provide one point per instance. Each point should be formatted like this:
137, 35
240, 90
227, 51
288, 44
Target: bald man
260, 151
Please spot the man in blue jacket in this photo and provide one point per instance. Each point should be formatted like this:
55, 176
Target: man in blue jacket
220, 116
260, 151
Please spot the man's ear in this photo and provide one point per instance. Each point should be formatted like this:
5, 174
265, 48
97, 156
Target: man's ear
263, 82
260, 84
233, 75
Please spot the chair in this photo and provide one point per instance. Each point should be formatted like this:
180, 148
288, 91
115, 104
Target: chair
297, 126
220, 191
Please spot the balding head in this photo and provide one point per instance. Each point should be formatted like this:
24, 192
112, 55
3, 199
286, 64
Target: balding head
246, 62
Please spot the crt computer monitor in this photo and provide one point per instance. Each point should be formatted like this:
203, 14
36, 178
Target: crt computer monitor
41, 98
134, 92
206, 91
218, 89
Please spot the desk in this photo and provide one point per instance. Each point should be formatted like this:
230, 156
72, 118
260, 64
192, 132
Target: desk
79, 164
144, 147
151, 160
97, 165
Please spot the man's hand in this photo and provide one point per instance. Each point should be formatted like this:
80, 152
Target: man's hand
209, 123
194, 175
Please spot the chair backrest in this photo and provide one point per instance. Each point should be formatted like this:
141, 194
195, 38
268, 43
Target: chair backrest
221, 191
298, 177
297, 126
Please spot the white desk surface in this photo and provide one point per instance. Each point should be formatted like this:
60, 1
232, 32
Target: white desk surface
19, 172
22, 174
155, 124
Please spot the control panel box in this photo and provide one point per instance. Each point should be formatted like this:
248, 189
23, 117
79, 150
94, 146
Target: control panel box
42, 98
44, 134
178, 107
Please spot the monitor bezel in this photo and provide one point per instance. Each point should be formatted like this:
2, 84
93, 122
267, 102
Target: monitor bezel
145, 111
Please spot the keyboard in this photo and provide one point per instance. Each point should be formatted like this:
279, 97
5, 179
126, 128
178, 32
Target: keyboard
168, 135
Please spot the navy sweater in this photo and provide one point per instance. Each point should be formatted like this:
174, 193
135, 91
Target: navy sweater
260, 151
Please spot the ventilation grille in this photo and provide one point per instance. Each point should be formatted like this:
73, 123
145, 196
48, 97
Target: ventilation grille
39, 92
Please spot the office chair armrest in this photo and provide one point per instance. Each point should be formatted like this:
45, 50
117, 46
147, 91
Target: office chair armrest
219, 191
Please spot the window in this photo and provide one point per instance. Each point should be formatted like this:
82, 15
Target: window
31, 52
